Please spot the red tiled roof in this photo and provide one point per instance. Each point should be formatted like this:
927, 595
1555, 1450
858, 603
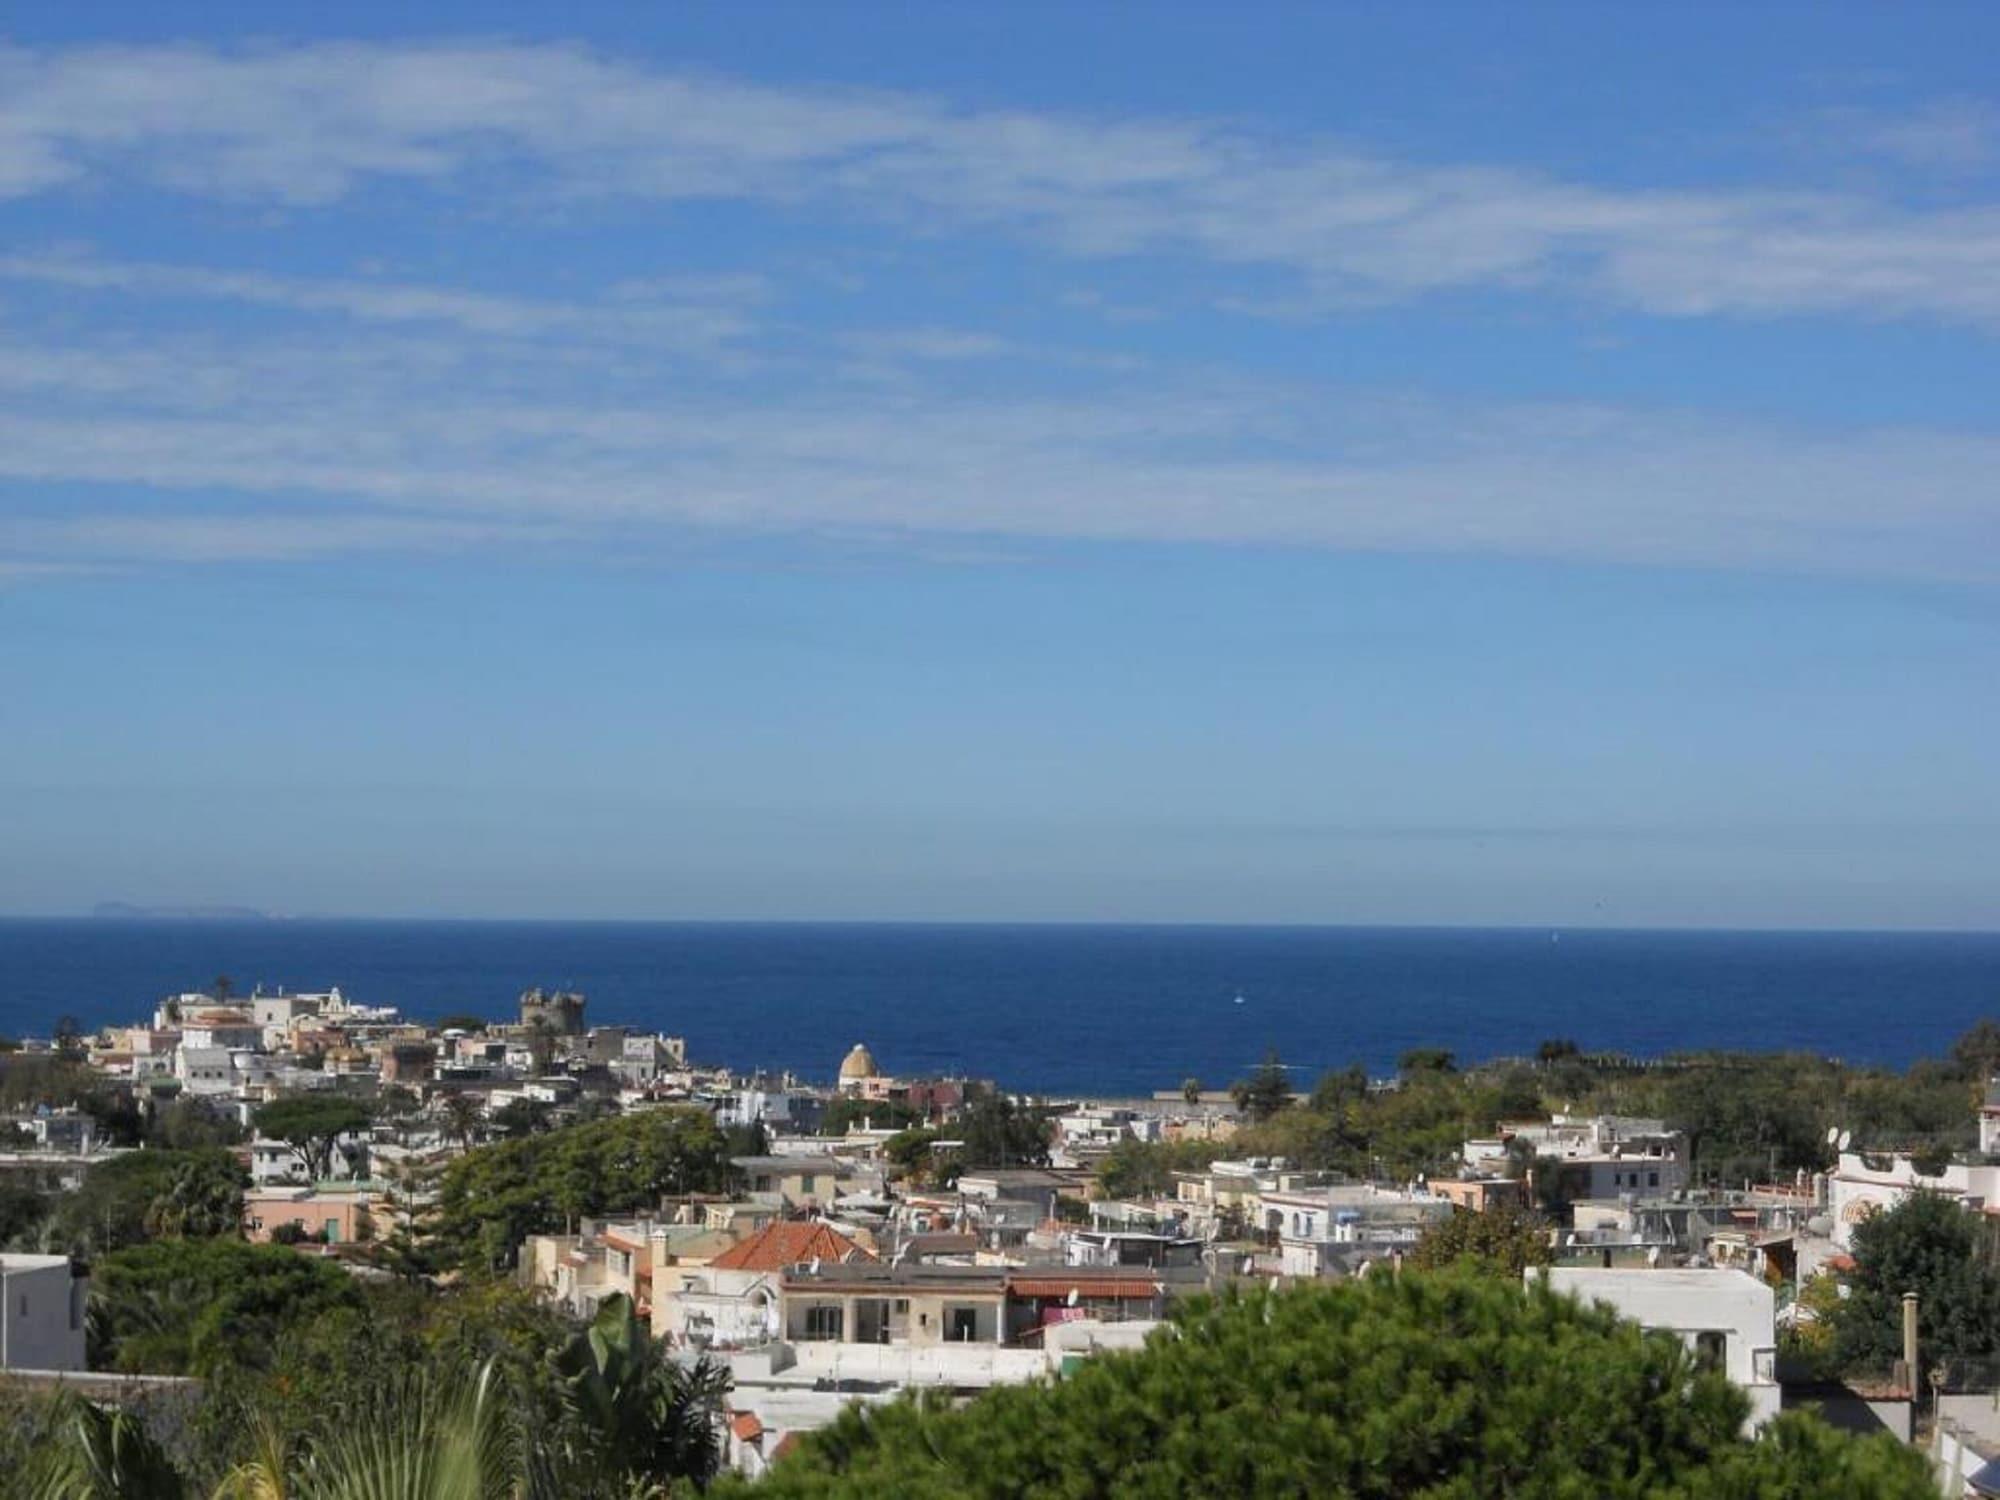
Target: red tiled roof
1097, 1288
785, 1445
746, 1426
778, 1245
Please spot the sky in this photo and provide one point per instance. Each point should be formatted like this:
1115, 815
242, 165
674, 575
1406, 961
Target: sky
1441, 464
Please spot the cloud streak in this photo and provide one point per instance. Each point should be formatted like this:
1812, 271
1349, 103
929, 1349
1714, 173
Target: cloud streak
311, 125
188, 448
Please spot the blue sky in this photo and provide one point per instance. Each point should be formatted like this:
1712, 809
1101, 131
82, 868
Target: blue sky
1137, 463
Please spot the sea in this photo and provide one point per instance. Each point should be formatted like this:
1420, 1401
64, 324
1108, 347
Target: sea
1063, 1010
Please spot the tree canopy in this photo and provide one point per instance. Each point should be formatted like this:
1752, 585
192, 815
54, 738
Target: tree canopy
186, 1307
1499, 1241
312, 1124
1265, 1091
1929, 1245
494, 1197
1390, 1388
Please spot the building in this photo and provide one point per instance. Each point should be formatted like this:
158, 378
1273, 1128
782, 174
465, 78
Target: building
1330, 1231
733, 1299
556, 1011
1726, 1318
331, 1216
42, 1301
1862, 1184
856, 1069
1599, 1156
1989, 1120
800, 1182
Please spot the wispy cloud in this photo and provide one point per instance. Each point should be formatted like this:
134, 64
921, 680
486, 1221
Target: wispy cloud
702, 313
457, 442
310, 125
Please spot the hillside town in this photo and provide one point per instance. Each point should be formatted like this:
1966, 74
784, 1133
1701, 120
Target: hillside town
876, 1235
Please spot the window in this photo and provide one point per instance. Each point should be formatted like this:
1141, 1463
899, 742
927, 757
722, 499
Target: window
963, 1326
825, 1321
1710, 1348
1652, 1179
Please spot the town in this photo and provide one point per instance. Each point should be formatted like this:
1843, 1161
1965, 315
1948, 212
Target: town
819, 1245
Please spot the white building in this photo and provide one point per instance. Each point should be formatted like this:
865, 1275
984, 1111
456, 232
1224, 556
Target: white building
41, 1313
1725, 1317
1989, 1120
1314, 1229
1601, 1156
1856, 1189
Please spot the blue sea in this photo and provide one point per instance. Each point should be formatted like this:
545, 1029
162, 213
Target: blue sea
1063, 1009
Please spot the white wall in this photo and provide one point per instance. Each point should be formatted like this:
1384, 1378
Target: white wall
41, 1313
1690, 1302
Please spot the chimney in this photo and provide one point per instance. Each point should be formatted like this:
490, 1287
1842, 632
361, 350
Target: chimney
1910, 1342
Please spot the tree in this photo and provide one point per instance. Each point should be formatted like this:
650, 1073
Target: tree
1382, 1387
463, 1115
495, 1196
202, 1199
1264, 1092
849, 1110
1976, 1055
1555, 1050
67, 1038
1427, 1060
312, 1125
635, 1413
1134, 1169
1926, 1244
1191, 1091
100, 1454
112, 1206
182, 1307
519, 1117
1499, 1241
997, 1132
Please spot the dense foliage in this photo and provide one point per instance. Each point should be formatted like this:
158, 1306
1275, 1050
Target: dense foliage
475, 1395
1756, 1117
1410, 1388
1929, 1245
312, 1125
995, 1131
495, 1196
1500, 1241
182, 1307
127, 1200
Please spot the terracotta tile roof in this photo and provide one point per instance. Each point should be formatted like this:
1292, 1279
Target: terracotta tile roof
1100, 1288
746, 1426
778, 1245
785, 1445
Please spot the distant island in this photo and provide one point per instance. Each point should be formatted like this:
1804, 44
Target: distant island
125, 911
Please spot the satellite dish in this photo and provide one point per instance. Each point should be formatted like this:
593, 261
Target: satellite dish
1070, 1300
1832, 1134
1846, 1136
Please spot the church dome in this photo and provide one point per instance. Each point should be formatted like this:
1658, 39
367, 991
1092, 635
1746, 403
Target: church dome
860, 1063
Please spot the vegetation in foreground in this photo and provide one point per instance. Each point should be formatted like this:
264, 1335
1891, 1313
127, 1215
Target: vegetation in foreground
1420, 1387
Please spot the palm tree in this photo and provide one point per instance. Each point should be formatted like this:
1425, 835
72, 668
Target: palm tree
103, 1455
462, 1117
632, 1413
419, 1439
